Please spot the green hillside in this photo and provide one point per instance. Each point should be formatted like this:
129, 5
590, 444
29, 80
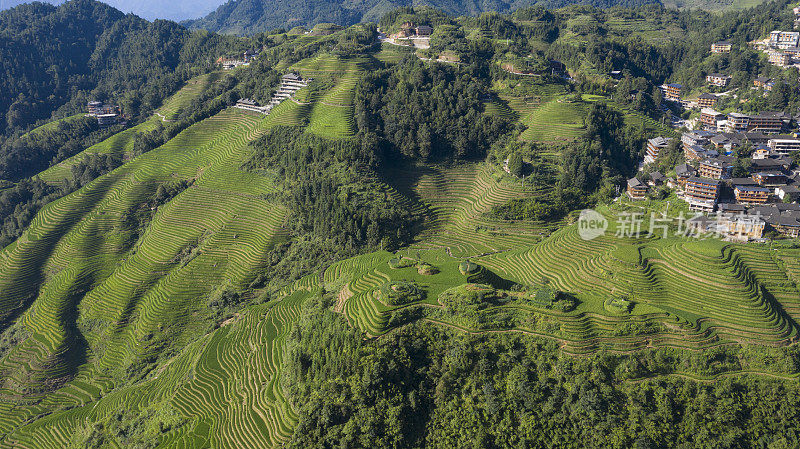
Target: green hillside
391, 257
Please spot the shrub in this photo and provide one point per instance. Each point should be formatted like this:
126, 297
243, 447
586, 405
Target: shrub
401, 292
467, 267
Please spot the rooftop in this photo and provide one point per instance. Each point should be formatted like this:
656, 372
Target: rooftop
634, 182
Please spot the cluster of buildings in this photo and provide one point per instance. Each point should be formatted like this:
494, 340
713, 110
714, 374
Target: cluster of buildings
707, 183
409, 30
781, 47
290, 84
106, 114
231, 63
736, 122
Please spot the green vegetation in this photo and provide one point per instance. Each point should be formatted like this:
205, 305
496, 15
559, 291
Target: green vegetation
355, 268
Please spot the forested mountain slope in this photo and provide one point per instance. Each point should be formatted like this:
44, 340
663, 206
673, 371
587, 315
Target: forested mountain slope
54, 59
254, 16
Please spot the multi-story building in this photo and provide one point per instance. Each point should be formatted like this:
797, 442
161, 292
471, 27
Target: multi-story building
779, 58
95, 107
673, 92
654, 148
770, 178
784, 146
717, 168
721, 47
709, 118
784, 39
707, 100
682, 173
702, 193
761, 123
766, 122
718, 79
737, 122
637, 190
751, 194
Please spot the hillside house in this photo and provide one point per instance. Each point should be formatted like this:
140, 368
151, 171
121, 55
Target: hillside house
252, 105
637, 190
763, 82
682, 174
707, 100
107, 119
230, 63
702, 193
718, 79
779, 58
423, 30
654, 148
656, 179
721, 47
697, 137
673, 91
738, 226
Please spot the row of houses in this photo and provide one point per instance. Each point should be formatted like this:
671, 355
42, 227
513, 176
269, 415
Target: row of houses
290, 84
741, 222
736, 122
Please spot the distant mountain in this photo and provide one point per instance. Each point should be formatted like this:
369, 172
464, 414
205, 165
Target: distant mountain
255, 16
148, 9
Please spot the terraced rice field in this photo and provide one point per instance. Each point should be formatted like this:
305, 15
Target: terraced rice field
330, 113
554, 122
121, 144
456, 201
110, 295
